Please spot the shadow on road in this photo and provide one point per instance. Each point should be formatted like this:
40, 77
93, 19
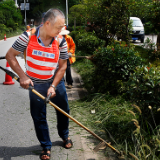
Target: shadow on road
7, 153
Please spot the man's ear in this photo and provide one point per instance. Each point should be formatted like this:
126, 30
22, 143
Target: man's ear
47, 22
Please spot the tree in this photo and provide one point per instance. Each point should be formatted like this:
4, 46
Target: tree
77, 14
72, 3
9, 15
153, 16
109, 18
37, 7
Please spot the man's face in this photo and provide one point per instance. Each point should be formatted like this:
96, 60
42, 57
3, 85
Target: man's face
55, 28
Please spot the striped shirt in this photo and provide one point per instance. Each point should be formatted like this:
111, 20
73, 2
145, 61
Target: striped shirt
21, 44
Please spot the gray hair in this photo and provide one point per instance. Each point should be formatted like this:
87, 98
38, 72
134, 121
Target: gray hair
52, 14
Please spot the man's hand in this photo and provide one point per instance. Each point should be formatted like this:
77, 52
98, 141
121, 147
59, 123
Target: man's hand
51, 90
25, 82
70, 54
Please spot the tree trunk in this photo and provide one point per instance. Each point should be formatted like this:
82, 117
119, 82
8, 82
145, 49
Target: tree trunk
74, 24
158, 42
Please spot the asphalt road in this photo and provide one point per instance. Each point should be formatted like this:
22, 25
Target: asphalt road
17, 137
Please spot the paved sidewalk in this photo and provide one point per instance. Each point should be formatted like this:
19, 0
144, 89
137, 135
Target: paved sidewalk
84, 138
77, 91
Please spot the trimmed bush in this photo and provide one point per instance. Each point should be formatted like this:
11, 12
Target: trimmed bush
113, 67
73, 35
144, 87
70, 28
144, 91
88, 42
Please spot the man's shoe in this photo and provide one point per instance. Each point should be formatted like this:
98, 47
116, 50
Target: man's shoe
69, 86
68, 143
45, 153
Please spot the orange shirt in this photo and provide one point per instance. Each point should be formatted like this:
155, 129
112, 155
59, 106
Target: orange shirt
71, 48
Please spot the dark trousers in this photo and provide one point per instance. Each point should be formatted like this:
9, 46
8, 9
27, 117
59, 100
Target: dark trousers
38, 113
69, 79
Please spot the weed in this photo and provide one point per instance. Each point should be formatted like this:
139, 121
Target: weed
149, 44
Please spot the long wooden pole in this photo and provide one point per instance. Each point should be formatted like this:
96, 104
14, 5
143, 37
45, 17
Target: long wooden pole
66, 114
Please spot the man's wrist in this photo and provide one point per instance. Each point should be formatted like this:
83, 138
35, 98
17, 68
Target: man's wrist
53, 86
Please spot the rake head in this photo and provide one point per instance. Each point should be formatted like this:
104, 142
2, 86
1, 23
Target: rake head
101, 145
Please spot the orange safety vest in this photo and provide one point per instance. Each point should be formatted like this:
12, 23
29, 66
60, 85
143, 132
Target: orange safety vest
71, 48
41, 62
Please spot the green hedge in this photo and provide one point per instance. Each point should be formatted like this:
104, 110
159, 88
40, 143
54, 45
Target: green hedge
144, 89
86, 42
113, 67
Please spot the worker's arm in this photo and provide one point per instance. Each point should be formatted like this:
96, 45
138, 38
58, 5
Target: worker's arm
11, 58
58, 77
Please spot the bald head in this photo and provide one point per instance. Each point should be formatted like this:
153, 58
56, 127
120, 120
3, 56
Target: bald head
52, 14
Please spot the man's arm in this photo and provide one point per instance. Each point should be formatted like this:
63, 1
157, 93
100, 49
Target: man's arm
11, 58
58, 77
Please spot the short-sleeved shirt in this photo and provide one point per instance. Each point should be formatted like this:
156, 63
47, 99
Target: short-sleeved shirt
21, 44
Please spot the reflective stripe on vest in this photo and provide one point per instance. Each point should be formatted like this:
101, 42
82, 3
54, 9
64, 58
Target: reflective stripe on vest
41, 62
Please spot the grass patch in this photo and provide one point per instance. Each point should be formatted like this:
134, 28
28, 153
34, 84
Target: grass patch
116, 118
142, 52
149, 56
111, 119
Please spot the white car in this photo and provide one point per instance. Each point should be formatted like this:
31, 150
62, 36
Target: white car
138, 29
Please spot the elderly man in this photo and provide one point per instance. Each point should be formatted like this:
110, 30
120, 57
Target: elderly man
46, 62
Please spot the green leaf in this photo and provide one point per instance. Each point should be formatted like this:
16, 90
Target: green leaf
145, 69
152, 71
147, 84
